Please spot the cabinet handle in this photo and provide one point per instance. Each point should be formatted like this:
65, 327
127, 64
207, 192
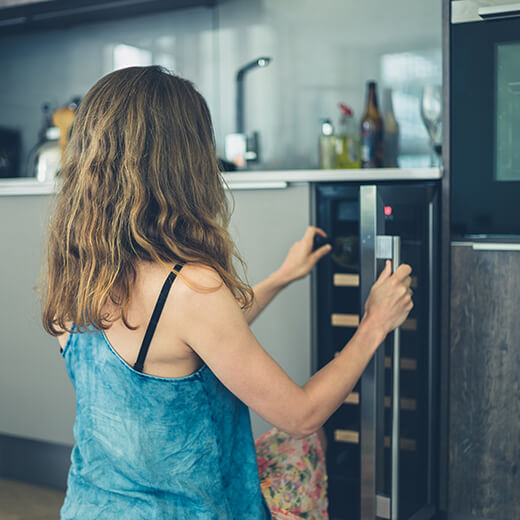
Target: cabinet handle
275, 185
496, 246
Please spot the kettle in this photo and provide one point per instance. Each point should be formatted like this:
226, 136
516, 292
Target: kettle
53, 139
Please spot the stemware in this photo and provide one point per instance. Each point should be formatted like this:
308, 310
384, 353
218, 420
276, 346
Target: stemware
431, 115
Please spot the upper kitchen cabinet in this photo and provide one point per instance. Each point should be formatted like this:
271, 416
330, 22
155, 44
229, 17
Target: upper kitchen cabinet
23, 15
320, 54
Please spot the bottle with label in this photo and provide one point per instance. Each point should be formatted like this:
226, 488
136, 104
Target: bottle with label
371, 131
391, 135
327, 148
347, 140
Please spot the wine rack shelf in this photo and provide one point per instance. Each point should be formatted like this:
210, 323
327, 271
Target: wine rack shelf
352, 437
352, 320
352, 398
406, 363
409, 324
344, 320
345, 280
348, 436
406, 404
352, 280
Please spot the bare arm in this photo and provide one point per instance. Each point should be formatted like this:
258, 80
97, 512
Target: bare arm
299, 262
215, 328
264, 293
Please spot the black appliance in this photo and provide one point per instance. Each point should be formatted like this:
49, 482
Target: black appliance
485, 118
382, 442
10, 149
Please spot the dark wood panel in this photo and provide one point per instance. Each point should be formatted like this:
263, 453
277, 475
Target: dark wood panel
484, 417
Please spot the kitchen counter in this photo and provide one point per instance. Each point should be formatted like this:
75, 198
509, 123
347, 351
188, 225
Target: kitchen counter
252, 179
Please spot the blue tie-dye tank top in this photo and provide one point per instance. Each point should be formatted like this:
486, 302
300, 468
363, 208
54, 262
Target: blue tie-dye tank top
155, 448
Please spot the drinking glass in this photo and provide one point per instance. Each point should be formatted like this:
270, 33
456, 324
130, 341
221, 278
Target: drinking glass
431, 115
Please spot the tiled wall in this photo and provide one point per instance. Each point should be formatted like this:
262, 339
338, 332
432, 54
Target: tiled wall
323, 52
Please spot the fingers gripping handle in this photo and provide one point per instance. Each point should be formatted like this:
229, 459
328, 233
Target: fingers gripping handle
389, 247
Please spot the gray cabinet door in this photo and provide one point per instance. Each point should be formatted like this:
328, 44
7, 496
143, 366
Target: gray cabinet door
36, 396
265, 223
484, 417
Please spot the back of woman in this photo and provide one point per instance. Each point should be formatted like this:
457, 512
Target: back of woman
153, 447
153, 319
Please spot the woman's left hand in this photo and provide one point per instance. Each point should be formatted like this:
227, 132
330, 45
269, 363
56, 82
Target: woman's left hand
301, 258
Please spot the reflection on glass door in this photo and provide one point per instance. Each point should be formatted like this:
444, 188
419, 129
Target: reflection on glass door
507, 162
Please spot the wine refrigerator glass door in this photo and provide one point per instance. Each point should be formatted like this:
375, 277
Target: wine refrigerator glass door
397, 395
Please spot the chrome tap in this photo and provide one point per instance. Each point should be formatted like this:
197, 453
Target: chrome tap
241, 147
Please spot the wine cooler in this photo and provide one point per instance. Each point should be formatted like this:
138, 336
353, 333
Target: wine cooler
382, 453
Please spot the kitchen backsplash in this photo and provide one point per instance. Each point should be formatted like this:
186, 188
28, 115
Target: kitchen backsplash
322, 53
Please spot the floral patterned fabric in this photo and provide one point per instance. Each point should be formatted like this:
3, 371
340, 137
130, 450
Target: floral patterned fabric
293, 476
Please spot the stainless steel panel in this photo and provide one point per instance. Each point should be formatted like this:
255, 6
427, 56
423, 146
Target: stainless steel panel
389, 247
463, 11
489, 246
368, 232
499, 11
372, 388
383, 507
396, 396
274, 185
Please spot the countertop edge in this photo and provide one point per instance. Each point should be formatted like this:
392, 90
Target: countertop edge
241, 179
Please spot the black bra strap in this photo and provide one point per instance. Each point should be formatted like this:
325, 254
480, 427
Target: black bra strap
139, 364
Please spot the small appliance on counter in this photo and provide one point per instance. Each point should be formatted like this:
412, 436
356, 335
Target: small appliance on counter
53, 138
10, 146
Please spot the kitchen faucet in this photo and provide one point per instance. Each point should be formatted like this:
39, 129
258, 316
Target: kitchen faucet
240, 147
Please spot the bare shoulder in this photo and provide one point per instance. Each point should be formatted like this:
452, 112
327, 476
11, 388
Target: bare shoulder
201, 277
64, 336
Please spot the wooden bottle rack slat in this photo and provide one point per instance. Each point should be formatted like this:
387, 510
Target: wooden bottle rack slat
344, 320
352, 280
352, 320
406, 363
352, 437
349, 436
407, 404
345, 280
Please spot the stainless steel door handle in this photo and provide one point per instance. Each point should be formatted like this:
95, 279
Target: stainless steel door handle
389, 247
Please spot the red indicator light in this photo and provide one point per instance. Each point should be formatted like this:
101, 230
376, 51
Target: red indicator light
388, 210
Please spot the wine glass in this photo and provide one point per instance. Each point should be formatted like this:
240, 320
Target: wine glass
431, 115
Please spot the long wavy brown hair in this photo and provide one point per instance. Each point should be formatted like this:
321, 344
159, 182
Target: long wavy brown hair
140, 181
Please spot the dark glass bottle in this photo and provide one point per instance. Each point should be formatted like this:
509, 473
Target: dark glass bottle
372, 131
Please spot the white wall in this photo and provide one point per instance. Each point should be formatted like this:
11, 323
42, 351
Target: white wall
323, 52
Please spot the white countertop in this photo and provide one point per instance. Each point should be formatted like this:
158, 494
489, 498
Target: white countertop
258, 179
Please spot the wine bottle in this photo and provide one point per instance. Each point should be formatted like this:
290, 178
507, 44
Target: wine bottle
371, 131
391, 134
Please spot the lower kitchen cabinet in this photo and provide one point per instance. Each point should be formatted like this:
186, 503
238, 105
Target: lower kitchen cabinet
484, 384
265, 223
36, 397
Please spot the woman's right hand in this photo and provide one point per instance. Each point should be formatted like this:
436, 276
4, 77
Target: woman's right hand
390, 299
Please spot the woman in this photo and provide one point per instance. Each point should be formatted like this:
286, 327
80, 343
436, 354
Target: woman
164, 376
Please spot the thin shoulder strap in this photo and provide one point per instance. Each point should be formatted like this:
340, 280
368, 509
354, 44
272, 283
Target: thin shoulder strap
139, 364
